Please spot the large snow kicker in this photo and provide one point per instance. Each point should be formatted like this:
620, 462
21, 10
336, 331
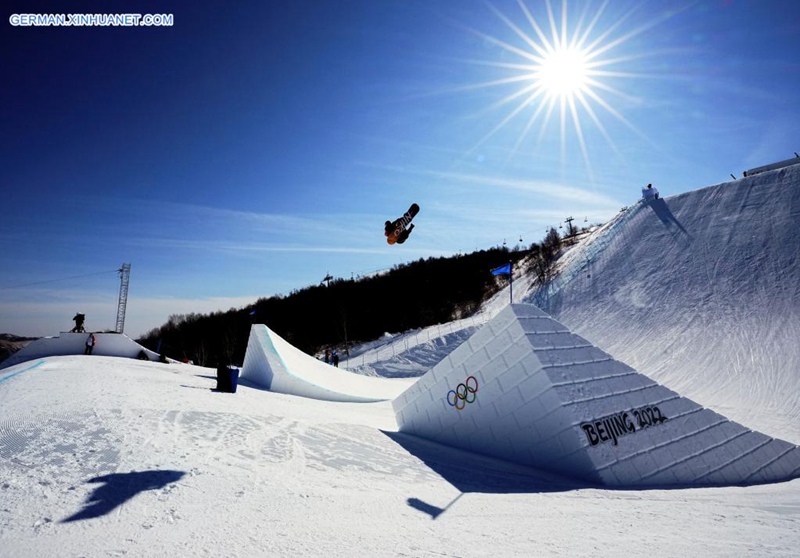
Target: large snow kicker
68, 343
273, 363
702, 292
527, 390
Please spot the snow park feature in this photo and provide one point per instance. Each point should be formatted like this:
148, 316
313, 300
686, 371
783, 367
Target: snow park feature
68, 343
271, 362
700, 292
773, 166
696, 293
525, 389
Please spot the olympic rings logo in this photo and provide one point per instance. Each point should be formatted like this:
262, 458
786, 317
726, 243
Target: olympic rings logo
463, 394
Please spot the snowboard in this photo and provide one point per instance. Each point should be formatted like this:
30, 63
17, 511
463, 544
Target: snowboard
394, 230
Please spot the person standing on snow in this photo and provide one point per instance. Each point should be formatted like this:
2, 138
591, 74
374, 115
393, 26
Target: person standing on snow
649, 192
90, 343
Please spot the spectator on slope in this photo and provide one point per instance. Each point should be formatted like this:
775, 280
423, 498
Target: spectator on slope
649, 192
335, 357
90, 343
327, 356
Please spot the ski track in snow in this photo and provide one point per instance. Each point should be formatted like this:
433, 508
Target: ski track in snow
270, 474
709, 282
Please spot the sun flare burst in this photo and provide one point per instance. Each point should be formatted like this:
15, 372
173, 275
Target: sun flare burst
565, 73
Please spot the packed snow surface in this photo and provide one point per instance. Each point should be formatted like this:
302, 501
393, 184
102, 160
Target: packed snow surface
701, 292
104, 456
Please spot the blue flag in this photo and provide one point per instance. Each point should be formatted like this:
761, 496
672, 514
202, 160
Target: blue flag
503, 270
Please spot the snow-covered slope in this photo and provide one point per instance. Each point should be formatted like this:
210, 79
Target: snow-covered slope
701, 292
525, 389
273, 363
104, 456
412, 353
68, 343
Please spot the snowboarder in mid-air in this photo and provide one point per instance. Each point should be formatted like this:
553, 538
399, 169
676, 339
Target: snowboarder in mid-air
397, 231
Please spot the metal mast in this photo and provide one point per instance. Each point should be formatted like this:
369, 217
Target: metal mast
124, 279
570, 229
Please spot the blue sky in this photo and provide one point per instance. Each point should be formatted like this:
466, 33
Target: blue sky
253, 147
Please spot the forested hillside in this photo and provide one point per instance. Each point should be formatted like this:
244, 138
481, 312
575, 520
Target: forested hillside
343, 311
10, 344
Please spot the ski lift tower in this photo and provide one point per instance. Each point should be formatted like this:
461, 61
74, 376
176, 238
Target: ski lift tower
571, 231
124, 279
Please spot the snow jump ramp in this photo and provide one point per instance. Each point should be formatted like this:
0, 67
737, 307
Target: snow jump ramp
69, 343
527, 390
271, 362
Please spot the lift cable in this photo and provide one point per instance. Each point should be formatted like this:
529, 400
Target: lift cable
59, 279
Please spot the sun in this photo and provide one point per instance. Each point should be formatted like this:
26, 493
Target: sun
563, 73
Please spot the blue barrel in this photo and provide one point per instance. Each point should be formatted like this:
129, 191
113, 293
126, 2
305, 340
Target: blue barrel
233, 378
227, 378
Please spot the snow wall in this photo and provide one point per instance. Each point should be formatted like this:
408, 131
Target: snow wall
68, 343
773, 166
527, 390
273, 363
701, 292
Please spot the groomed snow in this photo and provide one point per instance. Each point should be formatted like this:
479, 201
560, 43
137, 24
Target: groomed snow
68, 343
273, 363
526, 390
103, 456
701, 292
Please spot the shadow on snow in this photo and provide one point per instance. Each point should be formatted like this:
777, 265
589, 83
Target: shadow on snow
470, 472
118, 488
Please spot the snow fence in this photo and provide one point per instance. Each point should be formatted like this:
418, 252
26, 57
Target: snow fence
527, 390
